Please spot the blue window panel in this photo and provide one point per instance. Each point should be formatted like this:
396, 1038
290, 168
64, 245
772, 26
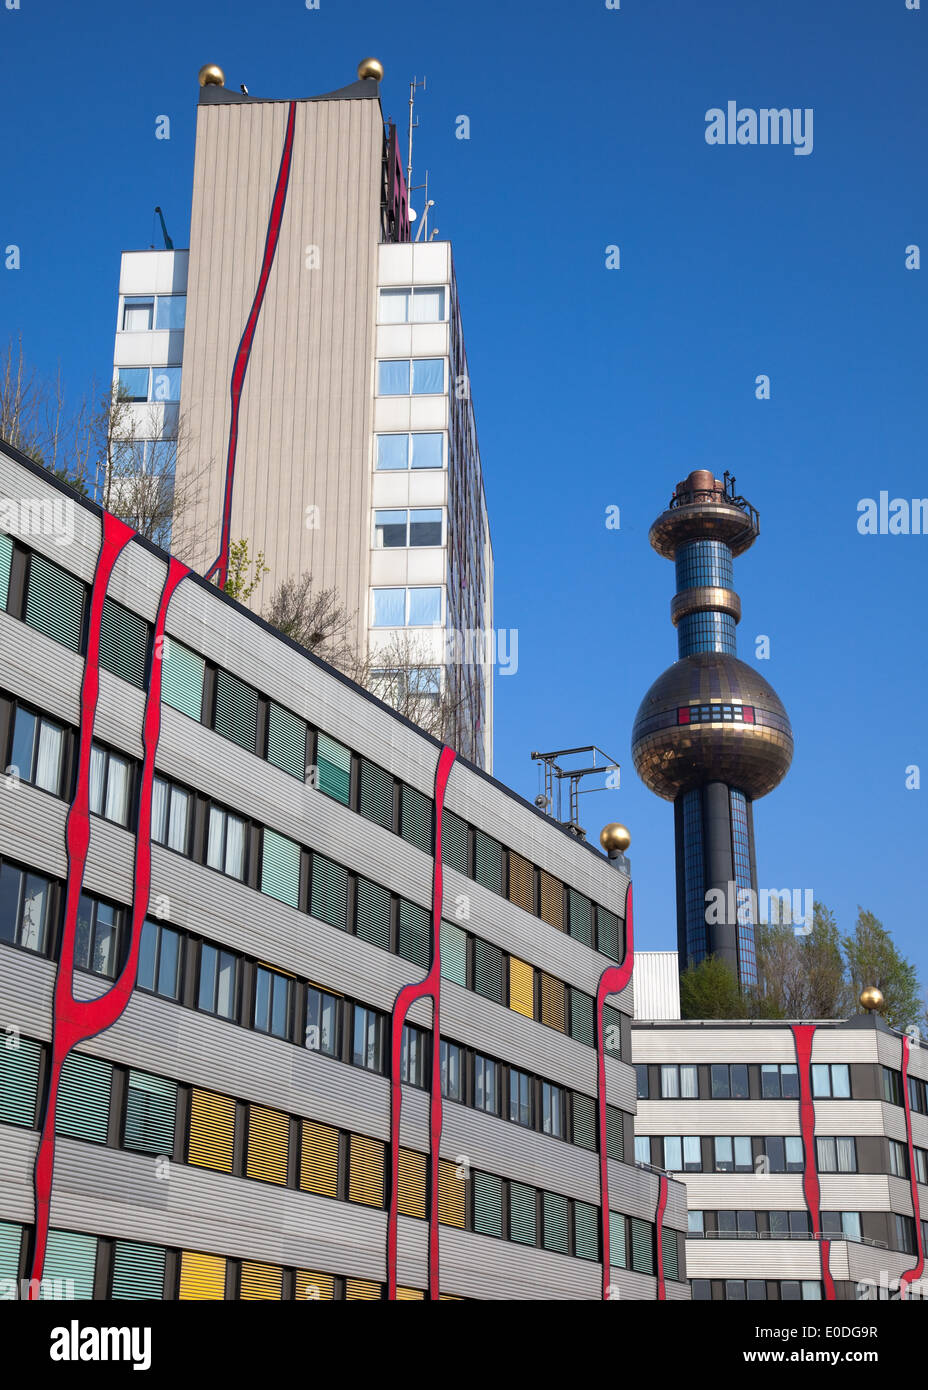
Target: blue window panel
428, 376
393, 378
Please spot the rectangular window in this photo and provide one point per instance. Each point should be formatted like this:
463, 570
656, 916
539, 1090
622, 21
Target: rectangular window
375, 794
673, 1153
55, 602
452, 1194
414, 1056
488, 971
202, 1276
367, 1048
334, 768
642, 1246
36, 750
521, 987
280, 866
83, 1108
418, 305
523, 1218
412, 1184
366, 1168
19, 1081
151, 1109
236, 714
393, 378
24, 908
182, 676
171, 311
425, 526
486, 1084
160, 956
586, 1231
921, 1165
319, 1159
268, 1144
695, 1223
520, 1098
897, 1159
414, 941
555, 1223
170, 815
729, 1082
679, 1083
109, 785
137, 315
831, 1079
583, 1109
286, 741
165, 384
273, 1002
123, 643
453, 954
402, 451
452, 1070
488, 1204
219, 982
428, 376
389, 608
374, 919
641, 1074
642, 1148
138, 1270
322, 1014
96, 942
837, 1155
692, 1153
424, 607
133, 381
552, 1110
6, 560
225, 847
488, 862
390, 529
892, 1086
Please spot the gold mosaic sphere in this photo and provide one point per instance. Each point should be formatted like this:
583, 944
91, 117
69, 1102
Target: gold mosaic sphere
615, 837
370, 67
212, 75
871, 998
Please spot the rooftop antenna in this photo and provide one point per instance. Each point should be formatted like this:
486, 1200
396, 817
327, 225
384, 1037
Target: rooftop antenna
413, 125
168, 243
429, 203
555, 776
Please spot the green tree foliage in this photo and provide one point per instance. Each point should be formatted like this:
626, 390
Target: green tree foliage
710, 990
872, 959
238, 585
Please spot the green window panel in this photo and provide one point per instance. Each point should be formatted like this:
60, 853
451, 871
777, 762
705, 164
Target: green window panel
454, 954
586, 1231
151, 1109
280, 868
454, 842
55, 602
83, 1107
415, 944
581, 1017
236, 711
6, 560
72, 1259
286, 741
618, 1255
374, 914
11, 1238
523, 1225
123, 643
333, 761
182, 673
19, 1081
488, 862
329, 897
555, 1222
612, 1031
607, 924
669, 1253
581, 917
375, 794
138, 1270
488, 971
488, 1204
615, 1137
584, 1108
642, 1246
416, 819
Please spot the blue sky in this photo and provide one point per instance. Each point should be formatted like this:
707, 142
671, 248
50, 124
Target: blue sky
595, 387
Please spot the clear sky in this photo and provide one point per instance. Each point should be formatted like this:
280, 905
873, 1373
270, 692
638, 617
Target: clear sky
595, 387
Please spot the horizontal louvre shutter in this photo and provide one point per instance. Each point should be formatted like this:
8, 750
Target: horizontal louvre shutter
202, 1276
488, 971
521, 882
71, 1261
268, 1142
374, 914
280, 868
584, 1108
329, 895
581, 917
261, 1281
581, 1016
138, 1270
553, 1002
522, 1216
642, 1246
615, 1141
236, 711
521, 987
151, 1110
319, 1163
586, 1233
310, 1285
552, 900
416, 819
182, 673
212, 1130
333, 762
123, 643
454, 842
411, 1184
612, 1031
366, 1171
286, 741
83, 1108
669, 1253
555, 1222
11, 1239
363, 1289
55, 602
489, 862
375, 797
608, 930
409, 1294
415, 932
6, 560
618, 1255
19, 1082
454, 954
452, 1194
488, 1204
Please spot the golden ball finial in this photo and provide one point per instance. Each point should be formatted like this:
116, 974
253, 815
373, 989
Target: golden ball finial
871, 998
615, 837
212, 75
371, 67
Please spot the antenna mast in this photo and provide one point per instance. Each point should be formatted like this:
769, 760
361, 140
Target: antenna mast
412, 125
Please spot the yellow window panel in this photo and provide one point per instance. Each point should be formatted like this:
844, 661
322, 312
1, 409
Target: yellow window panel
451, 1195
313, 1286
521, 882
202, 1276
450, 1298
521, 987
268, 1142
261, 1281
411, 1187
212, 1130
319, 1165
362, 1288
552, 900
366, 1171
411, 1294
553, 1003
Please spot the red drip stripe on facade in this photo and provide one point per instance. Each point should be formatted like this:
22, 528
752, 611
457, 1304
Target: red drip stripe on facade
802, 1037
612, 981
220, 565
659, 1230
918, 1268
429, 988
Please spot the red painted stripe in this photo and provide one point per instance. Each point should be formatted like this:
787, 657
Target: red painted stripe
220, 565
802, 1037
918, 1268
659, 1230
429, 988
612, 981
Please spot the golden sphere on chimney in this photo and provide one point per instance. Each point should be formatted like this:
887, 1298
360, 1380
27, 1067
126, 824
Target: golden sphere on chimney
212, 75
370, 67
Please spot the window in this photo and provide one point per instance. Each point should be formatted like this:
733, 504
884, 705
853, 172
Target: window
733, 1155
36, 750
322, 1022
137, 315
832, 1079
24, 908
219, 982
55, 602
413, 1056
836, 1155
892, 1086
702, 1290
486, 1084
225, 849
423, 376
419, 305
692, 1153
921, 1165
520, 1098
641, 1074
170, 815
151, 1108
109, 785
402, 451
729, 1082
418, 527
272, 1002
642, 1148
171, 311
695, 1223
452, 1070
160, 960
788, 1224
367, 1042
898, 1164
552, 1110
679, 1083
96, 940
784, 1153
905, 1234
156, 384
845, 1224
393, 378
918, 1096
741, 1224
673, 1153
165, 384
779, 1081
419, 607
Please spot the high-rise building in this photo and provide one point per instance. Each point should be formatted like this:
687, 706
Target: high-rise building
711, 734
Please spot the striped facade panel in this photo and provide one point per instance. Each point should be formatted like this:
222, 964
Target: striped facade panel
523, 1219
182, 675
452, 1194
202, 1276
618, 1255
123, 643
366, 1171
319, 1161
414, 941
615, 1133
11, 1236
19, 1081
6, 559
329, 892
261, 1281
521, 882
608, 933
612, 1031
488, 1204
584, 1120
552, 900
374, 914
365, 1289
138, 1270
669, 1254
642, 1246
488, 971
312, 1286
83, 1107
521, 987
71, 1260
454, 842
151, 1110
412, 1184
236, 711
581, 917
582, 1017
212, 1130
409, 1295
453, 954
286, 741
280, 868
553, 1003
55, 602
375, 797
268, 1144
333, 768
555, 1219
416, 819
586, 1231
488, 862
